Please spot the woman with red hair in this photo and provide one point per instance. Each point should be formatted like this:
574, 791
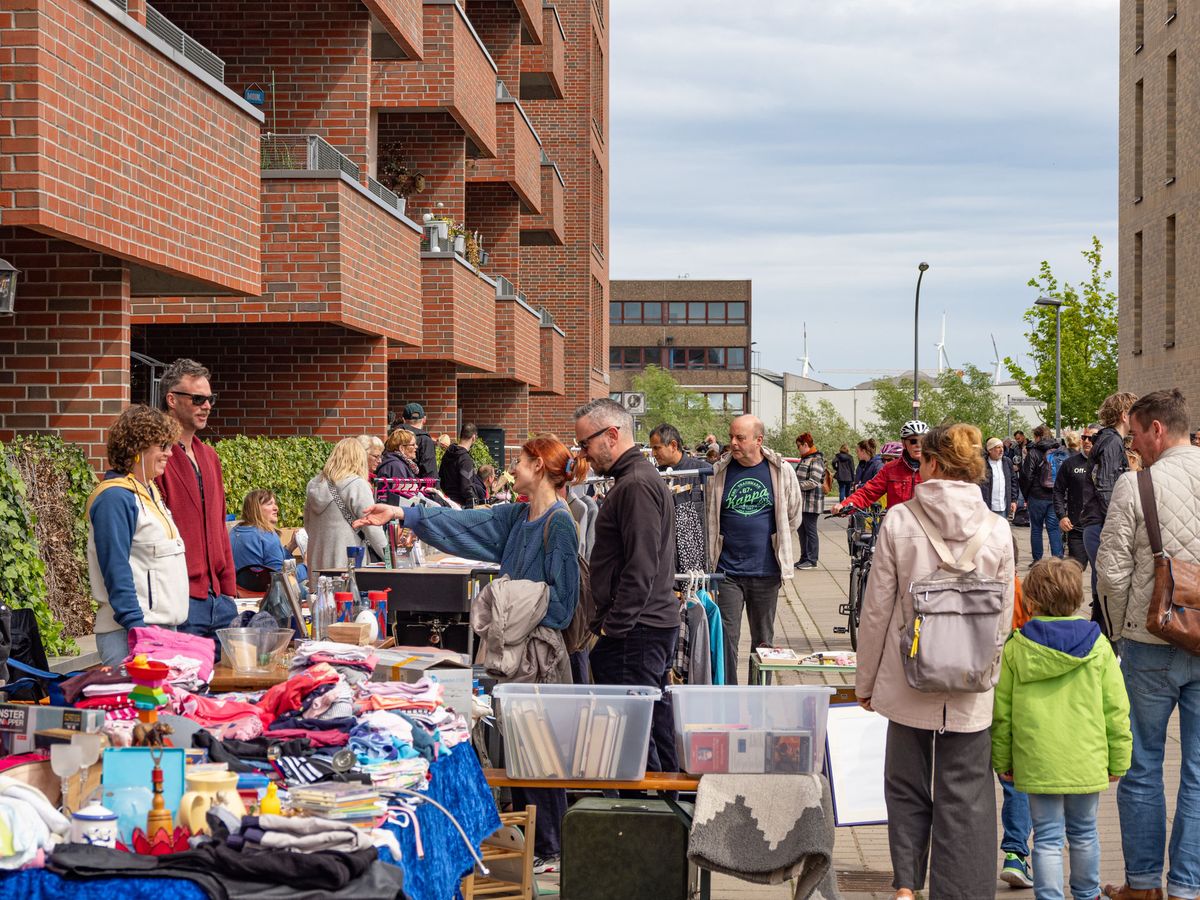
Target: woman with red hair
535, 540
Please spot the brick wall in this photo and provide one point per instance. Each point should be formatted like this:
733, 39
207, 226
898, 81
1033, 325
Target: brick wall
433, 384
319, 51
553, 359
108, 143
458, 316
64, 355
494, 211
433, 143
497, 404
403, 20
548, 227
283, 380
518, 157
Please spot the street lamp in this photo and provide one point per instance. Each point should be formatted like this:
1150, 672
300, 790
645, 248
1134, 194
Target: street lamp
916, 319
8, 286
1057, 304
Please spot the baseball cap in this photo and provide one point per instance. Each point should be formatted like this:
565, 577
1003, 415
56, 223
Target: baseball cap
414, 411
994, 442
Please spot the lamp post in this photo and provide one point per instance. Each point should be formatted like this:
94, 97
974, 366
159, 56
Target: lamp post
1056, 303
921, 268
8, 286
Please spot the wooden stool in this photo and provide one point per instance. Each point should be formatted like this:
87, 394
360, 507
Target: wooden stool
476, 886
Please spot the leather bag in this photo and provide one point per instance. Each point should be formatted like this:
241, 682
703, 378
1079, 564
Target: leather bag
1174, 610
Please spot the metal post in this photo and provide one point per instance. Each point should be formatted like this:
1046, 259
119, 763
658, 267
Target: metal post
1058, 371
916, 323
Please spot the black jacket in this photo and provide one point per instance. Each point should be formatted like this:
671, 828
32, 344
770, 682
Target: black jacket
867, 469
1105, 464
987, 486
457, 474
427, 466
1031, 470
843, 467
1072, 489
633, 559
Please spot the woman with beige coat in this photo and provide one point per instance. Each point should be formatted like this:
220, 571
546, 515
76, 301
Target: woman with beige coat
938, 781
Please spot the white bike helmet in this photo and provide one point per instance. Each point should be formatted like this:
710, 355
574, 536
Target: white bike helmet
913, 427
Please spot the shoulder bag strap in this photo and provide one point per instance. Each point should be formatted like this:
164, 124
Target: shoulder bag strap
341, 505
966, 561
1150, 511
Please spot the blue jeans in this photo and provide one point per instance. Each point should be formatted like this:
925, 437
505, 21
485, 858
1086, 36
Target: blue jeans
1072, 816
1041, 512
206, 615
113, 647
845, 489
1014, 818
1159, 678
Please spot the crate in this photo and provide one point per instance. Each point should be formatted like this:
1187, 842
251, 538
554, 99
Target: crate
566, 731
750, 729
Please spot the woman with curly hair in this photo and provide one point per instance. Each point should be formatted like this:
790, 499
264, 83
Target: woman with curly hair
135, 554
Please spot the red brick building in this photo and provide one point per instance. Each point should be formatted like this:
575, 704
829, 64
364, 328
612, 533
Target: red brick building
152, 209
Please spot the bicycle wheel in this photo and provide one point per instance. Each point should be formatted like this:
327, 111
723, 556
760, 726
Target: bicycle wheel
855, 605
856, 608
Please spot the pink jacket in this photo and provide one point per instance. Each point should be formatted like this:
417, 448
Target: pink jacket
903, 555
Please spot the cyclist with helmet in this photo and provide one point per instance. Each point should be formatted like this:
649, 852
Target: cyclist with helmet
897, 478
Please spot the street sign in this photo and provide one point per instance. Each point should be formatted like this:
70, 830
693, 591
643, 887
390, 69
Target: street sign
635, 402
1025, 401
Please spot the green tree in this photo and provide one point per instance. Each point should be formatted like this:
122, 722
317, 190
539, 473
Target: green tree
828, 427
966, 397
669, 401
1089, 342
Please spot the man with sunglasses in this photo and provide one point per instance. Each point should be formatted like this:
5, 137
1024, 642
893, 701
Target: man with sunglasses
897, 478
193, 488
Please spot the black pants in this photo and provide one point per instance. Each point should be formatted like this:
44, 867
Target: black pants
759, 597
810, 544
642, 658
941, 786
551, 806
1075, 548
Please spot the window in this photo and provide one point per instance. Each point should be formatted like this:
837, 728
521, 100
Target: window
652, 313
596, 320
716, 313
677, 313
695, 357
715, 358
730, 403
737, 314
597, 206
1139, 25
614, 313
678, 358
736, 357
697, 313
1138, 134
1172, 116
634, 357
1137, 294
1169, 288
707, 358
633, 313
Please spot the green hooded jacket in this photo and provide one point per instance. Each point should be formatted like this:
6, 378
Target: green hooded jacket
1061, 717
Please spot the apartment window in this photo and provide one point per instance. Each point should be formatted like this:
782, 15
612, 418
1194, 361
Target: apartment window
597, 223
597, 85
737, 314
596, 318
634, 357
1137, 293
1139, 111
706, 358
614, 314
735, 358
677, 313
1171, 118
1139, 25
730, 403
1169, 288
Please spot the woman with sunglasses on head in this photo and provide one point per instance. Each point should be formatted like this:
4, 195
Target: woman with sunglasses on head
257, 544
136, 558
897, 478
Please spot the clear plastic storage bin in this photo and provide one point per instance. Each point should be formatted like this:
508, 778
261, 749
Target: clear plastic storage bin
575, 731
778, 729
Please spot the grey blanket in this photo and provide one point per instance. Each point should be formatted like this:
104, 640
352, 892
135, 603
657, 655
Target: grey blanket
767, 829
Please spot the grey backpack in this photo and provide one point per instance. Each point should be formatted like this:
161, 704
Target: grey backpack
954, 641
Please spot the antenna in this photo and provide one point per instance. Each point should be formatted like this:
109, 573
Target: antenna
995, 361
943, 362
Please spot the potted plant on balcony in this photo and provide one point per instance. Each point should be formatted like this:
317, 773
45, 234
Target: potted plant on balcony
397, 174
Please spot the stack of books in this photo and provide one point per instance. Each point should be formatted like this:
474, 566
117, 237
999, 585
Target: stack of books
386, 774
592, 750
355, 804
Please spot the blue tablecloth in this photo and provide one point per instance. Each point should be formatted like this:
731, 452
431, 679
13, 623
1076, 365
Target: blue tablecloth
458, 784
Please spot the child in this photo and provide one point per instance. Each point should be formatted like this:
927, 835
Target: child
1014, 810
1060, 727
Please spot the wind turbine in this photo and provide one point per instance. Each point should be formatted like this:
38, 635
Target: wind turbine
995, 362
805, 366
943, 361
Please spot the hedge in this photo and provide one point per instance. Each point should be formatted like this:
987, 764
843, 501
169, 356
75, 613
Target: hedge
281, 465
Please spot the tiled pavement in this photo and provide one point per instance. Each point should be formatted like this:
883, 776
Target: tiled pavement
806, 618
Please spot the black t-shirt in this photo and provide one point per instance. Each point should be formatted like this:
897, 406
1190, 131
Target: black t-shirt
748, 522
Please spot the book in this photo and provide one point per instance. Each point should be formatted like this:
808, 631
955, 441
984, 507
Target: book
581, 731
707, 751
618, 743
788, 752
595, 745
747, 751
777, 654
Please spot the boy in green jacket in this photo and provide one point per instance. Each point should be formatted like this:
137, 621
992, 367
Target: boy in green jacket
1060, 726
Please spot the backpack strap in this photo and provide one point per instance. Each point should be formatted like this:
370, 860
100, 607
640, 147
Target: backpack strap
1150, 511
966, 561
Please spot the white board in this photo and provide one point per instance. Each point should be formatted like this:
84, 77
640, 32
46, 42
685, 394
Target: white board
854, 744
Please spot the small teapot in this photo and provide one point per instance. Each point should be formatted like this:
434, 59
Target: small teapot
94, 824
206, 790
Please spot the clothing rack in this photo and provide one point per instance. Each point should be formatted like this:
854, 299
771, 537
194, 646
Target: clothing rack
667, 473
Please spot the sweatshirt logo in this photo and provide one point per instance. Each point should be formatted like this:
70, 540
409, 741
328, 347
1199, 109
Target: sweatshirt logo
748, 497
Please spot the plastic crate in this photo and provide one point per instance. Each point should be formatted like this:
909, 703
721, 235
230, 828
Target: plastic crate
777, 729
565, 731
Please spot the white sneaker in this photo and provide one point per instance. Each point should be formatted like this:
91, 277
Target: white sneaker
544, 864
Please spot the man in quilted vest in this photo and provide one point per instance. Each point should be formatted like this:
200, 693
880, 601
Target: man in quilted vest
1158, 675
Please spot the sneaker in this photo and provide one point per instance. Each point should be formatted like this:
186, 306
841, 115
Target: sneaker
545, 864
807, 564
1016, 872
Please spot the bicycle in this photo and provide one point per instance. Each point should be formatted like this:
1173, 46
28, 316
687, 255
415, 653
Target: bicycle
861, 535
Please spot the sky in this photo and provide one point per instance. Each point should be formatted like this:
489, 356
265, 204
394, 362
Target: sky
824, 149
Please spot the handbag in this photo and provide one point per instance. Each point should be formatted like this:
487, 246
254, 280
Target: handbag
341, 505
1174, 610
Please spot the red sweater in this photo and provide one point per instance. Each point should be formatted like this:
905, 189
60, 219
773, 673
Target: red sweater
200, 520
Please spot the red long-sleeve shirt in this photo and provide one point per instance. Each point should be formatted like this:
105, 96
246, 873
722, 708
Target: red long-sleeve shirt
200, 518
896, 479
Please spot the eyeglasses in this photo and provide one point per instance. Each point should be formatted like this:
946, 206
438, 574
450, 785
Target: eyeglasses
198, 399
583, 444
912, 441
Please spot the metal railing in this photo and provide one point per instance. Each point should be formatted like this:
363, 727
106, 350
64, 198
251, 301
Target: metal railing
178, 39
388, 196
547, 318
502, 92
310, 152
122, 5
504, 288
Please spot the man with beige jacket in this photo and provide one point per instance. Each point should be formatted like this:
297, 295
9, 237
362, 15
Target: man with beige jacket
1158, 675
753, 508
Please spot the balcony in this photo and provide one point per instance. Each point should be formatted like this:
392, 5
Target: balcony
554, 362
518, 153
402, 21
543, 69
458, 314
455, 75
532, 20
518, 336
549, 227
116, 140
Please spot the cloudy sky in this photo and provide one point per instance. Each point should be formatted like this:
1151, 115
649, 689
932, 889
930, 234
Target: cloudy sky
823, 149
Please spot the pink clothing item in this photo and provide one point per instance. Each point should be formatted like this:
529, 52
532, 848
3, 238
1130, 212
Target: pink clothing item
232, 718
367, 665
163, 644
330, 738
289, 695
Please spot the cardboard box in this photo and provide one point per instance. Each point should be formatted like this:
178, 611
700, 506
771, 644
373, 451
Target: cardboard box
411, 664
20, 723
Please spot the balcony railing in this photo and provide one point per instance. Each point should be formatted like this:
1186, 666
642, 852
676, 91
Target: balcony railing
179, 40
387, 196
309, 152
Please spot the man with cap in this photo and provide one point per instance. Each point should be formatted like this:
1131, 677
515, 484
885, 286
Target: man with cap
414, 421
999, 488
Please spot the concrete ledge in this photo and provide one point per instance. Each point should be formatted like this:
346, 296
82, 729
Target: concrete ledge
88, 657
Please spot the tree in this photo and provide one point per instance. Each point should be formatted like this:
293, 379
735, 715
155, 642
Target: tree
966, 397
669, 401
828, 427
1089, 342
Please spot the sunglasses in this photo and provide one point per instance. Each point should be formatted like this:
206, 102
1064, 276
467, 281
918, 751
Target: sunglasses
1086, 437
583, 444
912, 442
198, 399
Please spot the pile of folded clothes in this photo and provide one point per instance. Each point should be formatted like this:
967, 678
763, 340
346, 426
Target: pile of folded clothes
29, 825
354, 663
